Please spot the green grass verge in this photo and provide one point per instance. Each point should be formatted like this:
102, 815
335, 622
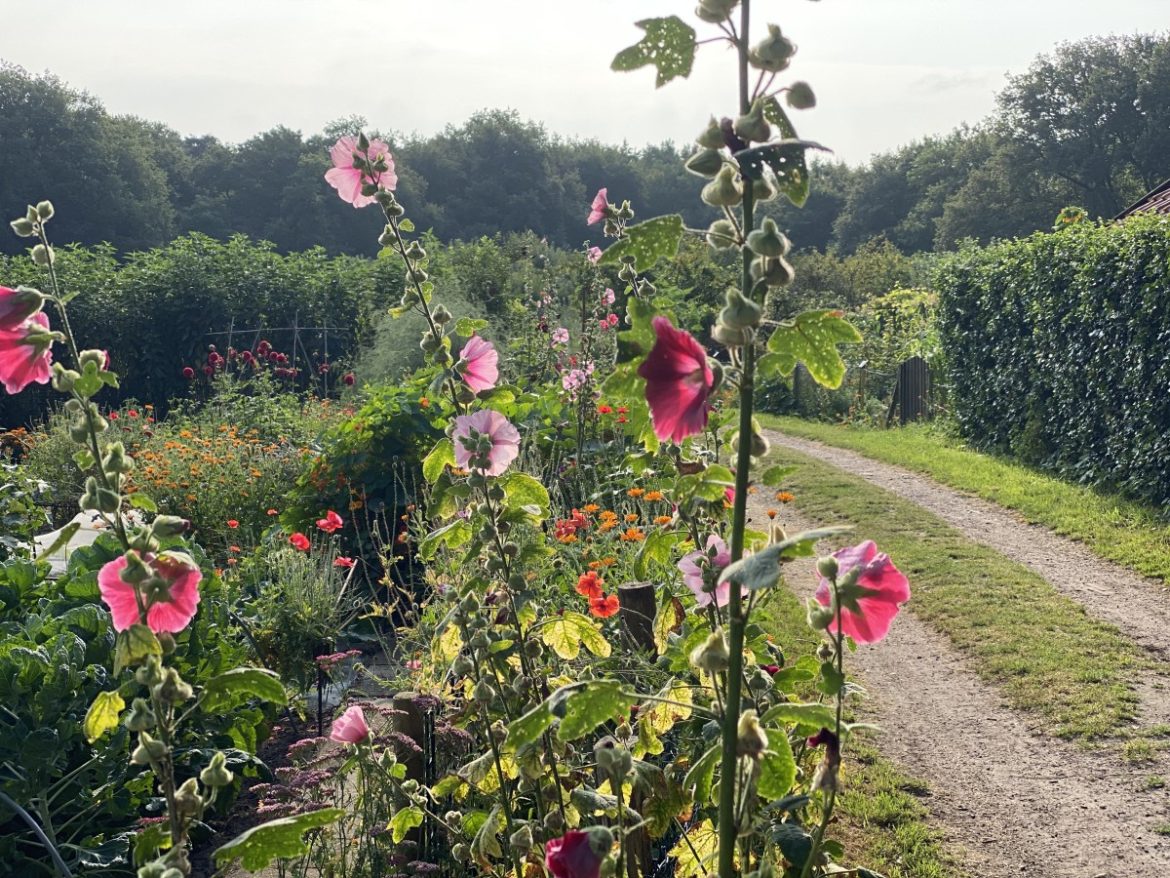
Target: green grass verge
883, 824
1044, 652
1111, 526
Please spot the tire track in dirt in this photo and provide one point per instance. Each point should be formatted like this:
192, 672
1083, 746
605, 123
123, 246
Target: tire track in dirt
1010, 801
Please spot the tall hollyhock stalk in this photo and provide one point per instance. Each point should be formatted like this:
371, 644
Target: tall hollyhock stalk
736, 618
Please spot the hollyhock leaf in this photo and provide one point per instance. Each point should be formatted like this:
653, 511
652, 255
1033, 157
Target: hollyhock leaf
777, 768
568, 632
695, 855
63, 539
260, 846
530, 726
102, 715
812, 339
775, 113
404, 820
702, 774
667, 621
452, 535
469, 326
812, 715
647, 242
439, 458
133, 645
660, 716
786, 158
794, 843
142, 501
523, 491
486, 843
669, 45
405, 225
774, 475
452, 786
658, 547
236, 686
590, 705
762, 569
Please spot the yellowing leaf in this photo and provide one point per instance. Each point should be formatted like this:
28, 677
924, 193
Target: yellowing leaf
568, 632
102, 715
703, 841
449, 644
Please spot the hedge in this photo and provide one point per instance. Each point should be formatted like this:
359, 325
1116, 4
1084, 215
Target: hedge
1059, 351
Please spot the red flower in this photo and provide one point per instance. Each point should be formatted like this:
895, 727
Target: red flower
589, 585
331, 523
605, 606
273, 512
232, 523
678, 382
188, 373
113, 416
577, 854
604, 410
868, 606
348, 379
299, 541
342, 561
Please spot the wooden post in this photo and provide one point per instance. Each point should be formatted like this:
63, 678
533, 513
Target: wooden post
638, 608
411, 721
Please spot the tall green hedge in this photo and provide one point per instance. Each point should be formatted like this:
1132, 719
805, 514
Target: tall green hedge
1059, 351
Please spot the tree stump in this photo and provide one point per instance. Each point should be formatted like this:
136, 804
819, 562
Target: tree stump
638, 608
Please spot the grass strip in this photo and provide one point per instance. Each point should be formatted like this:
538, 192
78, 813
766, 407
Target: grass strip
883, 824
1111, 526
1043, 651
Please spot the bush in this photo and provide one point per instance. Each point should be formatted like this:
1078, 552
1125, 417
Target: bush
1057, 350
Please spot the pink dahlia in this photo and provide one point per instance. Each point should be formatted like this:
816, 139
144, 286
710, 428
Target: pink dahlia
577, 854
701, 567
869, 607
350, 727
26, 355
170, 603
599, 208
678, 382
348, 180
503, 437
16, 306
479, 364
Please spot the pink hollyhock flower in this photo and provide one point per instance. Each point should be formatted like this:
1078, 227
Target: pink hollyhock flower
678, 382
869, 607
593, 254
16, 306
560, 336
505, 440
299, 541
350, 727
343, 562
331, 523
707, 561
611, 319
26, 354
348, 180
608, 297
479, 364
170, 608
599, 208
576, 854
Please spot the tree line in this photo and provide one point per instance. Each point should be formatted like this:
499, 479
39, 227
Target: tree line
1088, 125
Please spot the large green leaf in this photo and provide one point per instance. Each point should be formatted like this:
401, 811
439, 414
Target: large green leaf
567, 632
102, 715
777, 768
238, 685
669, 45
440, 457
404, 820
522, 491
647, 242
787, 161
586, 706
812, 339
530, 726
259, 846
812, 715
452, 535
702, 774
133, 645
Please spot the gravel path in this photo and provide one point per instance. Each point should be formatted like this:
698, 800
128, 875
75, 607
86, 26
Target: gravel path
1011, 801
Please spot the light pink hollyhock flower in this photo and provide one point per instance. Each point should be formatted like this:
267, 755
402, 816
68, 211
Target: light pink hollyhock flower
599, 208
173, 613
678, 382
714, 558
348, 180
504, 437
479, 364
16, 306
350, 727
593, 254
608, 297
560, 336
881, 589
24, 361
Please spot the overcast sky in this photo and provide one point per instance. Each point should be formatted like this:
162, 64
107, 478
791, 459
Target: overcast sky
885, 71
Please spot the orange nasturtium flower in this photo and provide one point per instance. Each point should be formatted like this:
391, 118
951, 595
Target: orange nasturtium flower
605, 606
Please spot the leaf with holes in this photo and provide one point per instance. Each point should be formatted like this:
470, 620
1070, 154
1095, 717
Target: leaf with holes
278, 839
811, 338
587, 706
647, 242
669, 45
786, 159
440, 457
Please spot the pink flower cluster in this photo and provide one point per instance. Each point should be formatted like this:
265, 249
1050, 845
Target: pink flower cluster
349, 180
26, 342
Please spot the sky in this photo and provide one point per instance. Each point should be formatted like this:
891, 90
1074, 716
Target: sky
886, 72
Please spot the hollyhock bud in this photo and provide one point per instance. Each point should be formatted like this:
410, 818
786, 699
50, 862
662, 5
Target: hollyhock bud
613, 759
827, 567
173, 688
751, 739
216, 774
42, 255
773, 53
711, 137
188, 802
711, 655
45, 211
801, 96
740, 313
705, 163
773, 272
724, 190
141, 718
752, 126
767, 240
721, 234
521, 839
24, 228
148, 750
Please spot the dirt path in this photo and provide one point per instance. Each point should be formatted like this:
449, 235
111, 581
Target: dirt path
1010, 801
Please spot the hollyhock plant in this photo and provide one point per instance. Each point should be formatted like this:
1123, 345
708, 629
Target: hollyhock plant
26, 355
504, 438
560, 336
678, 382
575, 854
599, 208
712, 559
593, 254
169, 608
479, 364
16, 306
331, 523
869, 607
350, 727
348, 180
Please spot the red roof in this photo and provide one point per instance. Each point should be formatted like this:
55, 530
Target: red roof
1157, 201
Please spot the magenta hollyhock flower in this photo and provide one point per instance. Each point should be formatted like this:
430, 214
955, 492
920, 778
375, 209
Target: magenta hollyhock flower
678, 382
714, 558
593, 254
348, 180
180, 576
573, 855
867, 609
479, 364
599, 208
16, 306
26, 355
505, 440
350, 727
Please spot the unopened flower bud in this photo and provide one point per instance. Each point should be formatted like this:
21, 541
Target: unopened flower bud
151, 672
613, 759
773, 53
45, 211
441, 315
554, 821
740, 313
801, 96
705, 163
484, 691
140, 718
23, 227
721, 234
216, 774
767, 240
724, 190
819, 617
148, 750
187, 799
173, 688
827, 567
42, 255
751, 739
752, 126
711, 655
521, 839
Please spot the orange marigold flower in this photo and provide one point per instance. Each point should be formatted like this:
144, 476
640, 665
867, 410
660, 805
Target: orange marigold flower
633, 535
423, 402
567, 538
631, 516
663, 519
636, 492
604, 607
654, 496
589, 585
608, 515
591, 508
771, 513
607, 525
785, 496
608, 562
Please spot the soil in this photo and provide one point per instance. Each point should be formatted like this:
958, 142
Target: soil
1009, 800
